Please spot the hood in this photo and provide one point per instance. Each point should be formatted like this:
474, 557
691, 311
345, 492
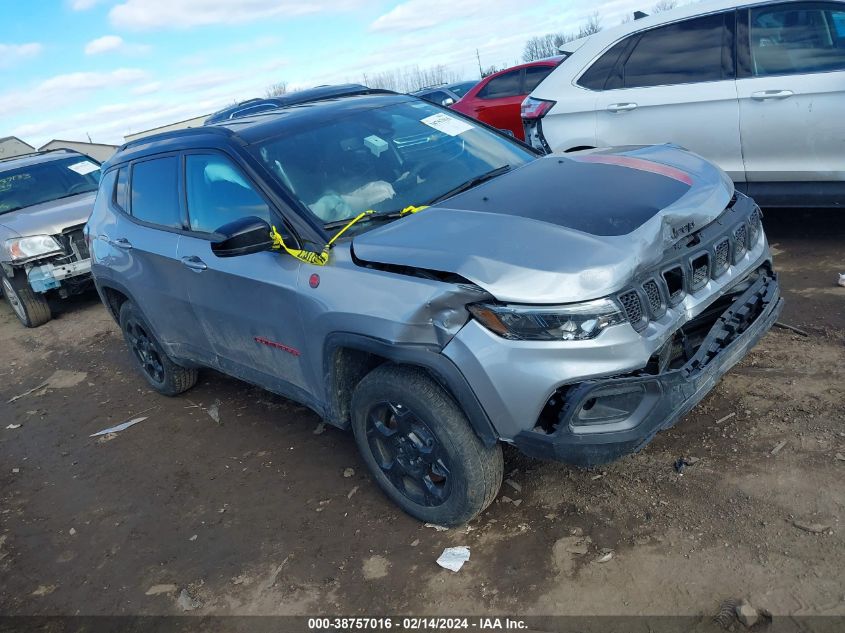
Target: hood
49, 218
563, 228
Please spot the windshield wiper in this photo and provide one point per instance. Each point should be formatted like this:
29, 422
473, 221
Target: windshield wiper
367, 218
473, 182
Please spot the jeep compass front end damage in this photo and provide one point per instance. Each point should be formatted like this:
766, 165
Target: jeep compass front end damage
613, 318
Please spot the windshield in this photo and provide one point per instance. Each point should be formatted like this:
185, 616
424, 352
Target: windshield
385, 159
462, 88
43, 182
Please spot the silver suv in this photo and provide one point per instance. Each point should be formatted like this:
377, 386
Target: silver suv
45, 199
432, 284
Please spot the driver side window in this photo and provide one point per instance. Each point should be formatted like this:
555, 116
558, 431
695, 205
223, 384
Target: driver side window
219, 193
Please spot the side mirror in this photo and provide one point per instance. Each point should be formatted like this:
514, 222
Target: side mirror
242, 237
447, 102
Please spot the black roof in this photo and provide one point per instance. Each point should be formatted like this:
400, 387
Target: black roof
257, 127
245, 108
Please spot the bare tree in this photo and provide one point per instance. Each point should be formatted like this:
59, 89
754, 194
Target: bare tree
410, 78
276, 90
549, 44
664, 5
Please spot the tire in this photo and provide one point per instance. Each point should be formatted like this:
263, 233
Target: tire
165, 376
30, 307
420, 448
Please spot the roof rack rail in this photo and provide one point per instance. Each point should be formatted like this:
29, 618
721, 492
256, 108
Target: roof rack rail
190, 131
39, 153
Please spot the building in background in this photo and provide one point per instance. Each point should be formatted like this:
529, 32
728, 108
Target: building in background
179, 125
13, 146
98, 151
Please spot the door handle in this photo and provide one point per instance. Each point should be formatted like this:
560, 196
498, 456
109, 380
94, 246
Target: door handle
771, 94
121, 242
621, 107
194, 263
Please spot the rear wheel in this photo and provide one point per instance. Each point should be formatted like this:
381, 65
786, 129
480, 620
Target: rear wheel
420, 448
155, 365
30, 307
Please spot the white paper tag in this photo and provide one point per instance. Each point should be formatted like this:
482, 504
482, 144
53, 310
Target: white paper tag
84, 167
446, 124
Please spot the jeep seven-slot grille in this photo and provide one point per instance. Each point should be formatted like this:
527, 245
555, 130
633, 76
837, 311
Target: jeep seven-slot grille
691, 272
633, 308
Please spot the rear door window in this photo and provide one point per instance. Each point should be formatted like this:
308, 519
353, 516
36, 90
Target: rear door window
598, 76
121, 193
507, 85
797, 38
219, 193
691, 51
534, 75
155, 192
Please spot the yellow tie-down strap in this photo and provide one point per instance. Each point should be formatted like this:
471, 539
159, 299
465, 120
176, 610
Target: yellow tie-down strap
322, 258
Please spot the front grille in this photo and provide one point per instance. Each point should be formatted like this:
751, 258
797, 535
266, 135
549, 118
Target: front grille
700, 272
655, 302
632, 305
689, 265
739, 242
723, 254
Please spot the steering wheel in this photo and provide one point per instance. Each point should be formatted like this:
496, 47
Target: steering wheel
76, 188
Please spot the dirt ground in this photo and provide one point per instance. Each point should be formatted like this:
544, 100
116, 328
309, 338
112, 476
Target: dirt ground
257, 514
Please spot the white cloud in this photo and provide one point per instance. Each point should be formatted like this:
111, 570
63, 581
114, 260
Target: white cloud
172, 14
147, 88
10, 54
114, 44
43, 98
415, 15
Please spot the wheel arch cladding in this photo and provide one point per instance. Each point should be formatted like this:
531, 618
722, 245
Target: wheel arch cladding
348, 357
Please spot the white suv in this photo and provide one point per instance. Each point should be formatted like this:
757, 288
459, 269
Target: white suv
758, 88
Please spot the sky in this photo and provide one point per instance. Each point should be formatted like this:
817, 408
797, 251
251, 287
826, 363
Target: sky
70, 69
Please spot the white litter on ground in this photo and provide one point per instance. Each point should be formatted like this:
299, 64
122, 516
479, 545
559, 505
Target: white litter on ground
120, 427
439, 528
453, 558
841, 279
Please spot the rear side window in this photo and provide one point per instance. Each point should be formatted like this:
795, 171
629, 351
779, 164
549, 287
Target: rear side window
534, 75
598, 76
690, 51
797, 38
507, 85
121, 193
155, 191
218, 193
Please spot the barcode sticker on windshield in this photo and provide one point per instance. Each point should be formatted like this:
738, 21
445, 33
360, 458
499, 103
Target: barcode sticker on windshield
84, 167
447, 124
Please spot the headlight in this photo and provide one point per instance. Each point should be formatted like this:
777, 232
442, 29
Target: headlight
32, 246
572, 322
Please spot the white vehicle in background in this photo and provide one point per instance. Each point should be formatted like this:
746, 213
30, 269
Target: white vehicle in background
756, 87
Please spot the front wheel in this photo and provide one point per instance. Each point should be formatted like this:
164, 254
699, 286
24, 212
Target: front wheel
420, 448
30, 307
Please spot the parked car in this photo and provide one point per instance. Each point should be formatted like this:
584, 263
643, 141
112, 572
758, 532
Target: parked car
45, 199
496, 99
756, 87
258, 105
433, 285
445, 94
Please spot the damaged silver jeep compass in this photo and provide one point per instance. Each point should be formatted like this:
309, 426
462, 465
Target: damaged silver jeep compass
432, 284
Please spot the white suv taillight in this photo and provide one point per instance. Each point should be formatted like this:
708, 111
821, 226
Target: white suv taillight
535, 108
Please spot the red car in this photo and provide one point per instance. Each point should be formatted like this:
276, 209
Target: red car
496, 99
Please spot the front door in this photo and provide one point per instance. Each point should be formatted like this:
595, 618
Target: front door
247, 305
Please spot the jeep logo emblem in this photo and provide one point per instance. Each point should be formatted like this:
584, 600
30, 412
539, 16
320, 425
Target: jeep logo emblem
678, 231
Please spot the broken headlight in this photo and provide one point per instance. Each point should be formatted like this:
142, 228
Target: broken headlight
571, 322
32, 246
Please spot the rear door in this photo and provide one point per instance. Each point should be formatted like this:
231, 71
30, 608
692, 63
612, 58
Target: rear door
676, 83
248, 305
139, 243
792, 92
498, 102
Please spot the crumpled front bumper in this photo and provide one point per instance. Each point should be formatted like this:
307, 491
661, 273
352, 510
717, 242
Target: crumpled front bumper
50, 275
647, 404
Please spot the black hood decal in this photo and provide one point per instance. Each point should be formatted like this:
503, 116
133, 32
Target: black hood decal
592, 196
